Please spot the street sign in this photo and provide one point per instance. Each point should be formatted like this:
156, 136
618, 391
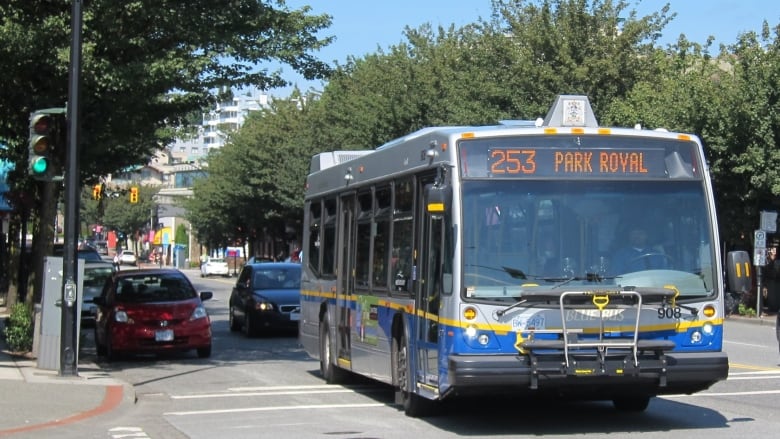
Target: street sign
759, 238
769, 221
759, 257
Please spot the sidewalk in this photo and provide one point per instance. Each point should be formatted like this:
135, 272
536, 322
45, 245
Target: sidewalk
33, 399
766, 319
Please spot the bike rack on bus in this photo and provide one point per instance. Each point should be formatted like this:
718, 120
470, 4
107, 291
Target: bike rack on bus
574, 346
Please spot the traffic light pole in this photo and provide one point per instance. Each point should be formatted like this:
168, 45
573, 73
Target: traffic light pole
69, 336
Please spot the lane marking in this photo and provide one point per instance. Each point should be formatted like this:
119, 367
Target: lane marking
272, 409
271, 393
280, 390
752, 367
757, 392
752, 345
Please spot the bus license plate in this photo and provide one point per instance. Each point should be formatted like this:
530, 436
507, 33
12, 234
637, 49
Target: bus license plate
164, 335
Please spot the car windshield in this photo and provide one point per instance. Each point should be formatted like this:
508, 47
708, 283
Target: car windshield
277, 278
153, 288
96, 276
86, 254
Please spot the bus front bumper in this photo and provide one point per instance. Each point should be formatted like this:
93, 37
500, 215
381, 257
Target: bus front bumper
676, 372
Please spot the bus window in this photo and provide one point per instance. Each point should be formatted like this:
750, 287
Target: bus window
381, 232
403, 234
315, 229
363, 244
329, 239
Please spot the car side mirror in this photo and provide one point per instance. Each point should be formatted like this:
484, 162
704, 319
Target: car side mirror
206, 295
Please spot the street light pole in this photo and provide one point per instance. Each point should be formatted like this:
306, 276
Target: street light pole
68, 334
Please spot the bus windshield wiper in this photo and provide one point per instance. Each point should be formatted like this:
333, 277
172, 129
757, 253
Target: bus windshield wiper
589, 277
501, 312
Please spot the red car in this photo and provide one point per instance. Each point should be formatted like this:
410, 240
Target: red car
151, 311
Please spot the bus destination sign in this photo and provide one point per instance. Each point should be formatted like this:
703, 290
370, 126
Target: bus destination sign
584, 163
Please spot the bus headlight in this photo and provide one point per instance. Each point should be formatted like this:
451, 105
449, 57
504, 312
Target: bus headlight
471, 331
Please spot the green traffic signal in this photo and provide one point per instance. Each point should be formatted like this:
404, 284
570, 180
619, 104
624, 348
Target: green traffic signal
39, 166
46, 140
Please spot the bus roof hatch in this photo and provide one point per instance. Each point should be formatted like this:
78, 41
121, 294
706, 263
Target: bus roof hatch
571, 111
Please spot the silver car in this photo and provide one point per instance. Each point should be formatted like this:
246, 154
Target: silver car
95, 275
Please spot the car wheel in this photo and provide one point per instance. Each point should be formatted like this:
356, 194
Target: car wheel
249, 325
204, 352
111, 354
234, 325
99, 348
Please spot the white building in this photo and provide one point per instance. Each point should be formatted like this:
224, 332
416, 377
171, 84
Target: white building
216, 125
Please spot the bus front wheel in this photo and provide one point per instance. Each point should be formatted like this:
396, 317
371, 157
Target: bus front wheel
414, 405
330, 372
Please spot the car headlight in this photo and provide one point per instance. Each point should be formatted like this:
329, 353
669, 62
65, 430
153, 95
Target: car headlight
263, 306
198, 313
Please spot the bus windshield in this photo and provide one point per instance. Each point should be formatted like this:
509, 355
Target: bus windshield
531, 233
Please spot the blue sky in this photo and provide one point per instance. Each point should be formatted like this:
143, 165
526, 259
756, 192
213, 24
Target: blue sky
360, 26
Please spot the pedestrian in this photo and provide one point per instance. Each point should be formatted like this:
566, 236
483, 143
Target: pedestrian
770, 294
116, 261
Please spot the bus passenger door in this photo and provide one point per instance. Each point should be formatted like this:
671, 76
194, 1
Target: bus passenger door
429, 289
346, 281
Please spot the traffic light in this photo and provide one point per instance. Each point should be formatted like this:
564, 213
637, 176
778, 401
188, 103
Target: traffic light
133, 194
47, 144
97, 192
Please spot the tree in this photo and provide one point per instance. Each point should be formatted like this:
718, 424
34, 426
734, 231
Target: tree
255, 182
511, 66
146, 66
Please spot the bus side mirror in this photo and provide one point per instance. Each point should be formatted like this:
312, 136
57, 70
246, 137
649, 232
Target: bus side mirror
738, 271
438, 199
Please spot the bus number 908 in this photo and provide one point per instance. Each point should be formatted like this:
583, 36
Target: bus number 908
669, 313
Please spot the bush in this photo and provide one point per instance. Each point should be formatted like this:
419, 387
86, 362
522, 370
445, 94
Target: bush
745, 310
18, 330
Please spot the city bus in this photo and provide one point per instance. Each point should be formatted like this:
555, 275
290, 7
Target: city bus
492, 259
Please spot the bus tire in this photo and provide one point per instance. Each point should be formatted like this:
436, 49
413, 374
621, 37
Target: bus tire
330, 372
414, 405
631, 403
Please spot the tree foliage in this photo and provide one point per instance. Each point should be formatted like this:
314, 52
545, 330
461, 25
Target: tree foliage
147, 65
255, 184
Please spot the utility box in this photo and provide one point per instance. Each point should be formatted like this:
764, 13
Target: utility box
49, 338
